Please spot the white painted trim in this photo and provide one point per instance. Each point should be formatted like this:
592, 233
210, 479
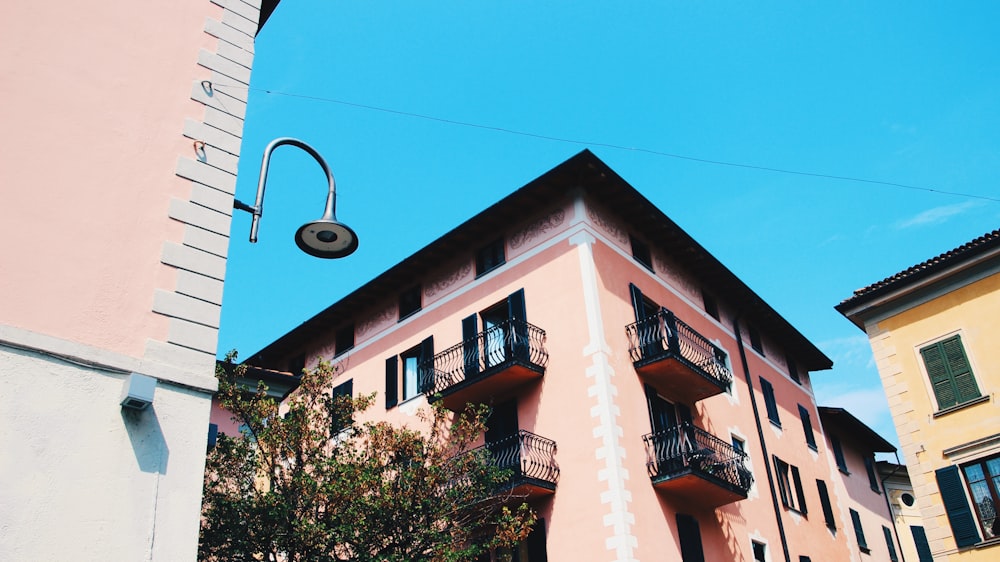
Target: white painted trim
104, 360
619, 519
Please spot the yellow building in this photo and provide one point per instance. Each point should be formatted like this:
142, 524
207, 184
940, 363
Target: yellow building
935, 333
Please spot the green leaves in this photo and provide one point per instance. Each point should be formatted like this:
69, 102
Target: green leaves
293, 489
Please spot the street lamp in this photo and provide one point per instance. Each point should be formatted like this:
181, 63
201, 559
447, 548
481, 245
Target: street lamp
325, 237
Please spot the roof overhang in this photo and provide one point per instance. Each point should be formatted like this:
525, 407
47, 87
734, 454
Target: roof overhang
585, 172
852, 426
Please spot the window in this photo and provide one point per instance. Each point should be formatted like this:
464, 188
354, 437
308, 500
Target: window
759, 552
769, 402
859, 532
490, 257
838, 454
872, 476
755, 340
711, 307
824, 501
804, 558
344, 339
409, 302
410, 360
807, 427
984, 488
792, 495
949, 372
505, 335
690, 537
893, 557
640, 251
408, 372
793, 369
340, 417
920, 541
297, 364
531, 549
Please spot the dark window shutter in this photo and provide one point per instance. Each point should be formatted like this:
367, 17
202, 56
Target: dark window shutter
804, 559
889, 543
391, 382
637, 306
872, 476
838, 454
923, 547
518, 315
799, 492
425, 366
963, 524
769, 402
470, 345
536, 542
807, 427
781, 473
824, 501
859, 531
690, 537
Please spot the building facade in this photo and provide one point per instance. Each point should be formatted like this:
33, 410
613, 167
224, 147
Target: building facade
858, 484
650, 404
933, 331
118, 170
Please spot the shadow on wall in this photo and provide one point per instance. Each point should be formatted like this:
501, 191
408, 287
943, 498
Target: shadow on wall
146, 436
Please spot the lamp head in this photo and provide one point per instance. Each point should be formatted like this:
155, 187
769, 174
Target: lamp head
326, 238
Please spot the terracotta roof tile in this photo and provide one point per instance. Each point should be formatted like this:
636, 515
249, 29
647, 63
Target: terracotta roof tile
980, 244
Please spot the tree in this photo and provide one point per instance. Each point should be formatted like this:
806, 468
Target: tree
296, 487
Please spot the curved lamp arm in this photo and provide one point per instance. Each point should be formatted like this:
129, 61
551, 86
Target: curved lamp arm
325, 237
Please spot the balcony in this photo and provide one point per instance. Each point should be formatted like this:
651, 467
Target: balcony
676, 360
492, 364
530, 459
694, 465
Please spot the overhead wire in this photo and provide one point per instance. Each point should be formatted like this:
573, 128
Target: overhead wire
614, 146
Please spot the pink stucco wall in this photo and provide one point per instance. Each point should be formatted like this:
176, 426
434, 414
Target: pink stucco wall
92, 113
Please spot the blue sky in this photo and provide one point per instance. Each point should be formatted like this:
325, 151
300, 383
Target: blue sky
429, 112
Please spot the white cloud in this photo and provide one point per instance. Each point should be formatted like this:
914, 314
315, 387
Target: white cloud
852, 352
936, 215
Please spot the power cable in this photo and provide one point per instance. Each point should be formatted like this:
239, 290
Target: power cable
616, 146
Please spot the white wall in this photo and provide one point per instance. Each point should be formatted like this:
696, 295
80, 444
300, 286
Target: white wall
81, 478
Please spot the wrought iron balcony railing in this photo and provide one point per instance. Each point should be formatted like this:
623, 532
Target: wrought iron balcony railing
663, 335
512, 342
530, 458
687, 449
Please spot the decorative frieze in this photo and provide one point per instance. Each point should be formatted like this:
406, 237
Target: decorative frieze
448, 281
537, 228
610, 227
376, 321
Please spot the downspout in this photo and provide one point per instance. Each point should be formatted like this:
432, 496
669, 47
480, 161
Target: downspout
760, 435
892, 517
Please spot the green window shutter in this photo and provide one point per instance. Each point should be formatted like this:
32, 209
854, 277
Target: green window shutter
824, 500
920, 540
859, 531
958, 364
690, 537
889, 543
963, 524
799, 492
949, 372
391, 382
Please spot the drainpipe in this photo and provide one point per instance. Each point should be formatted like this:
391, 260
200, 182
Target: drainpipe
892, 517
760, 435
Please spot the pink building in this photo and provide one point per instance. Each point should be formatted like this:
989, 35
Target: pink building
117, 167
652, 406
862, 500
